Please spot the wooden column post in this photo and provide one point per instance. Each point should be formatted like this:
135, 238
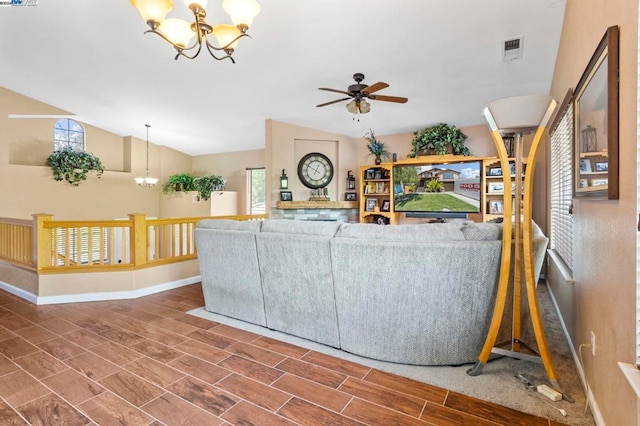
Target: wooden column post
42, 241
138, 238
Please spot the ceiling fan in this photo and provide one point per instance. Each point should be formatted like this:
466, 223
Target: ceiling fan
360, 93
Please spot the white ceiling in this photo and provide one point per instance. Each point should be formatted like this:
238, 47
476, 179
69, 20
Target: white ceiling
91, 58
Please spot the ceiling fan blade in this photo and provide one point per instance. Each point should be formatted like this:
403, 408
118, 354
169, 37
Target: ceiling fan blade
395, 99
375, 87
334, 90
332, 102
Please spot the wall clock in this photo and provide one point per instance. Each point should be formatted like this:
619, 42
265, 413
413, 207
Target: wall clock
315, 170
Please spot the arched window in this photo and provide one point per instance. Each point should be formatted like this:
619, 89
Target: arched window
68, 133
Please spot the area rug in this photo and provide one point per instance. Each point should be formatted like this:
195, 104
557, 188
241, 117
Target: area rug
496, 384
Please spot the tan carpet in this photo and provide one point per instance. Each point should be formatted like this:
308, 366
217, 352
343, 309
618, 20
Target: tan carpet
497, 382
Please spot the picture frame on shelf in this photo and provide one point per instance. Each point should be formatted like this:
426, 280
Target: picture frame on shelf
350, 196
286, 196
495, 171
369, 174
371, 204
584, 183
386, 206
602, 166
495, 207
599, 182
496, 187
512, 169
585, 165
381, 220
377, 174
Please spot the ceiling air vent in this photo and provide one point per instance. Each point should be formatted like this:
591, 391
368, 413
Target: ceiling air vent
512, 49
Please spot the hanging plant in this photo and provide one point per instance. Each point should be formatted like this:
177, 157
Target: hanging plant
375, 146
73, 166
205, 185
439, 140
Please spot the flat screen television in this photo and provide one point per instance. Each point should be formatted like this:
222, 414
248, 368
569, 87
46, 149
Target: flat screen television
441, 190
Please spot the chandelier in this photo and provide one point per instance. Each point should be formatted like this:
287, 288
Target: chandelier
179, 33
147, 181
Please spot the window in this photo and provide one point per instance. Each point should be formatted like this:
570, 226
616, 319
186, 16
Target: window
561, 238
68, 133
448, 175
256, 191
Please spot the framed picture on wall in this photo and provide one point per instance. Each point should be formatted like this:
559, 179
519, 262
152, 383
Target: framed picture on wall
286, 196
350, 196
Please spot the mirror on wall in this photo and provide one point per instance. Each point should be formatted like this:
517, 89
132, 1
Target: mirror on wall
596, 123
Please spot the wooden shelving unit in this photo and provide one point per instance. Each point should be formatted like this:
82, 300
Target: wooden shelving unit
376, 204
493, 196
594, 171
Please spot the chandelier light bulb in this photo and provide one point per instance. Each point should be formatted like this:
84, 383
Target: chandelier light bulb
226, 34
178, 31
242, 12
153, 10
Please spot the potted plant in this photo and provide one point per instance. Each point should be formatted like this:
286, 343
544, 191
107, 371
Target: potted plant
178, 182
205, 185
73, 166
375, 147
439, 140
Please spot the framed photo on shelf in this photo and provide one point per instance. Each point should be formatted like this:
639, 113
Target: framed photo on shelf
584, 183
381, 220
371, 204
599, 182
496, 187
369, 173
585, 165
495, 171
350, 196
602, 166
495, 207
377, 174
286, 196
386, 206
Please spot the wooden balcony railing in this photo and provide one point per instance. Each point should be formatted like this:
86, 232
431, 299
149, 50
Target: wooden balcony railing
99, 245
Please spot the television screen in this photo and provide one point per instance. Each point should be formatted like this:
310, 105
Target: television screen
437, 188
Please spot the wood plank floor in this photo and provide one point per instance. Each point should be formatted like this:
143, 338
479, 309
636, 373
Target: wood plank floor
146, 362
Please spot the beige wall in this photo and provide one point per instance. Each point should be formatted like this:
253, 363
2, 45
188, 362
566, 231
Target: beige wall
233, 167
604, 252
27, 186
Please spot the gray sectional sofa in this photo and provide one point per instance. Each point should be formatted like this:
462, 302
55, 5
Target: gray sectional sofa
414, 294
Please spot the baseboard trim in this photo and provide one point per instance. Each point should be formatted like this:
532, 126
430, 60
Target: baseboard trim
595, 411
96, 297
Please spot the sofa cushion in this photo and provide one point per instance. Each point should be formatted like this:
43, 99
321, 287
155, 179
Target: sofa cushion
482, 231
231, 225
305, 227
419, 233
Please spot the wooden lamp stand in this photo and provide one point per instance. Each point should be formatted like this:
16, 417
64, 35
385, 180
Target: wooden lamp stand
517, 116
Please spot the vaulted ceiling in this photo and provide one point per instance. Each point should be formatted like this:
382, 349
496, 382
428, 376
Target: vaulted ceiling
91, 59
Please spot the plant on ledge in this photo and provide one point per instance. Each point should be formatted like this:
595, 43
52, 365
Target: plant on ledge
375, 147
205, 185
178, 182
73, 166
439, 140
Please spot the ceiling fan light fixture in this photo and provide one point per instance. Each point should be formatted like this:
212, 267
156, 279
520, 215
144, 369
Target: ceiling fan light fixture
352, 107
357, 95
365, 107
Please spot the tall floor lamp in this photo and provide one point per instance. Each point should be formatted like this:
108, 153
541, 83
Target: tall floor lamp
517, 116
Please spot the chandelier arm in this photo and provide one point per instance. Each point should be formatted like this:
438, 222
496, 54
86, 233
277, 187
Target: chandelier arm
181, 52
225, 47
211, 49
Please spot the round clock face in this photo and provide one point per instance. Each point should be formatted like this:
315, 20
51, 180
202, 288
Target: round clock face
315, 170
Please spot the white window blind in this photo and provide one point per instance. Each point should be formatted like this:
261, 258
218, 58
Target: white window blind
561, 237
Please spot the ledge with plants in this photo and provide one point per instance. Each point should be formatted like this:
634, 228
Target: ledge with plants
73, 166
184, 182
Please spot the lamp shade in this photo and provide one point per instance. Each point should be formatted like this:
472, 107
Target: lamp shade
225, 34
153, 10
178, 31
241, 12
519, 113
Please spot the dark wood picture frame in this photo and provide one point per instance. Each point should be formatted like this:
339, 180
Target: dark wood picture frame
350, 196
596, 109
286, 196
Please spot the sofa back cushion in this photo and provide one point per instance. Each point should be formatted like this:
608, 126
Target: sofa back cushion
305, 227
231, 225
482, 231
426, 232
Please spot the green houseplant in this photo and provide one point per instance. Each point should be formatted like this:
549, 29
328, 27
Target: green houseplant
205, 185
73, 166
178, 182
375, 146
439, 140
